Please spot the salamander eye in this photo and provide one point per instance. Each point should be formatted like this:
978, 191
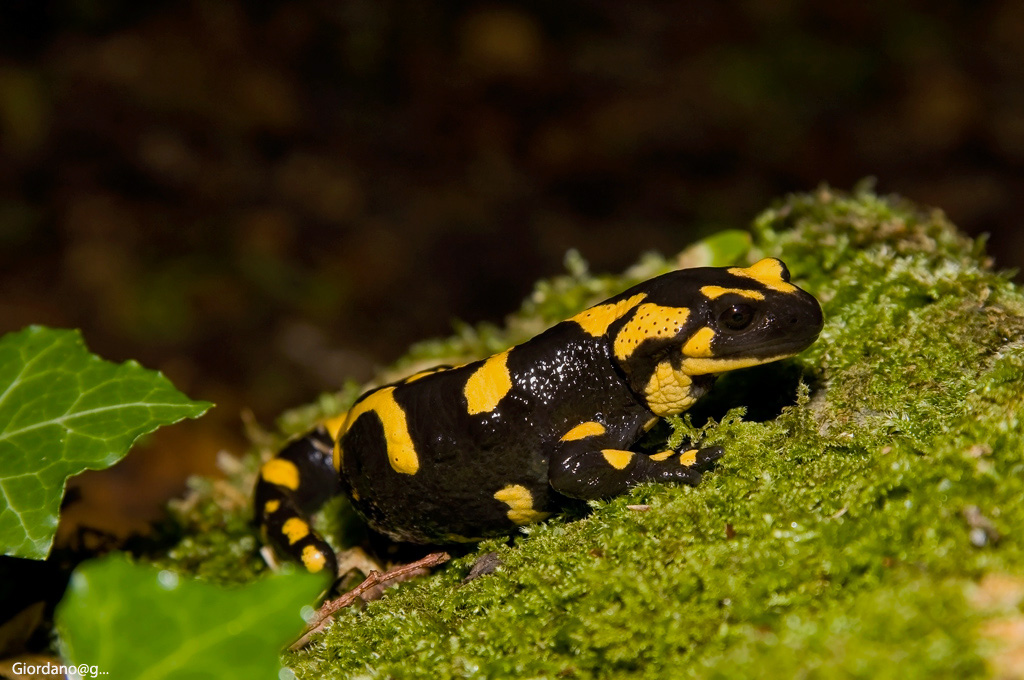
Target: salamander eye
737, 317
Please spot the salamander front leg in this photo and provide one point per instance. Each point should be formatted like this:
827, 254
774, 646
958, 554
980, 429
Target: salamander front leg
580, 469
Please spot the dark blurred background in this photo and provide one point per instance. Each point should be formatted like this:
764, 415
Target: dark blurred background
262, 199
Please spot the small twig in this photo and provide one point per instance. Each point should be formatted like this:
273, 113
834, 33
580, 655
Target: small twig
375, 581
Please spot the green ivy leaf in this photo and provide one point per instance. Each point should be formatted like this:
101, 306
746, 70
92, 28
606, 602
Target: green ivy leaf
133, 621
62, 411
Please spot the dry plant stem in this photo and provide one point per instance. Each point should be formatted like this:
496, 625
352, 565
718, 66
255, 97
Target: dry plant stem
370, 589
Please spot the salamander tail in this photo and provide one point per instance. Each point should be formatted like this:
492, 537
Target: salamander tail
291, 485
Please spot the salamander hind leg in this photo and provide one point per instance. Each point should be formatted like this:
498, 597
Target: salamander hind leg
291, 485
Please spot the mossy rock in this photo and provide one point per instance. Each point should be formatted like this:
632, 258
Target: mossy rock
864, 522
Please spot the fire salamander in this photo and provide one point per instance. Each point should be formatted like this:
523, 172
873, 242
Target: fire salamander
457, 454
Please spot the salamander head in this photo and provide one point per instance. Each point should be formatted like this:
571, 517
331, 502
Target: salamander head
706, 321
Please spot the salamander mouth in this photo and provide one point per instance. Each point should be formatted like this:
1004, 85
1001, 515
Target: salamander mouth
779, 349
763, 353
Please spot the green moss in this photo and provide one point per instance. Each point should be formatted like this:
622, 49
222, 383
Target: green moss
907, 627
868, 483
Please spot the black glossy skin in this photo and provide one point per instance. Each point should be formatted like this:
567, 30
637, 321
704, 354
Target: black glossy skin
564, 377
469, 458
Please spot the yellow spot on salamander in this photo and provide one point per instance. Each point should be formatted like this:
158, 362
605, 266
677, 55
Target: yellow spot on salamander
616, 458
699, 344
702, 366
281, 472
400, 449
649, 321
668, 391
662, 455
583, 430
596, 320
713, 292
313, 559
767, 272
520, 502
295, 530
650, 423
488, 385
270, 507
688, 458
